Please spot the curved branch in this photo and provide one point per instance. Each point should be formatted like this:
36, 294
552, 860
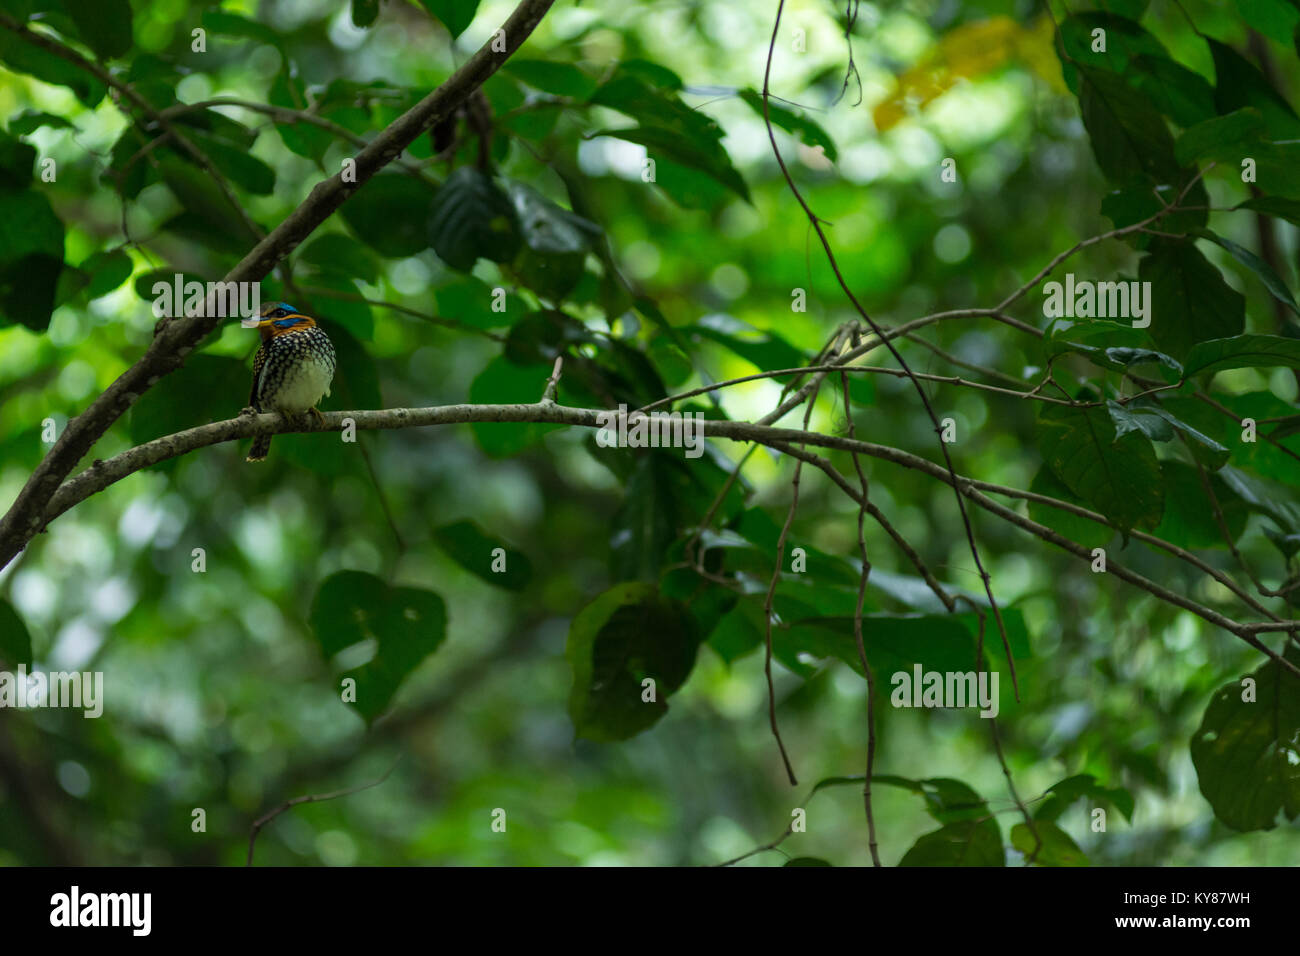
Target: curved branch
104, 473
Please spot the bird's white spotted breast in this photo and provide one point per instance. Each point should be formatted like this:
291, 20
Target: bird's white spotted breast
305, 384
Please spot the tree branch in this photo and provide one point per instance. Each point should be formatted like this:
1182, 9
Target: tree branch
104, 473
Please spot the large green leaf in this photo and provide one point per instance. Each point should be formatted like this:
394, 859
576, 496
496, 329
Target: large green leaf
1189, 300
1090, 534
1243, 351
471, 218
1218, 135
474, 550
31, 258
15, 640
627, 635
1117, 476
1189, 520
1128, 136
1247, 752
1239, 83
406, 624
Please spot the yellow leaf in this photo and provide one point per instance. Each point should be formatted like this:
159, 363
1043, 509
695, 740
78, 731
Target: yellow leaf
969, 52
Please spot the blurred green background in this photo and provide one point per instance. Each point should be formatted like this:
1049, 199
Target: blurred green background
219, 695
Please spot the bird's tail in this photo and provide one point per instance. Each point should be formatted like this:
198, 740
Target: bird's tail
261, 445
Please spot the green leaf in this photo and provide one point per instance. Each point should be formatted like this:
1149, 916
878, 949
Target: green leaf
1222, 133
1189, 520
805, 861
1276, 206
1179, 93
364, 12
628, 634
104, 25
31, 258
406, 624
1128, 137
556, 242
474, 550
388, 214
1272, 281
894, 643
107, 271
1090, 534
22, 57
646, 523
1276, 19
15, 639
737, 634
236, 163
1189, 300
1239, 83
705, 155
1061, 795
225, 23
1204, 449
471, 218
471, 301
1246, 751
559, 79
455, 15
762, 349
303, 139
29, 121
967, 843
797, 125
946, 800
1128, 418
1243, 351
1117, 476
1054, 847
199, 196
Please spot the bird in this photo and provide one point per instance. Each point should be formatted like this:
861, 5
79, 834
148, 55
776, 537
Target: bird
292, 370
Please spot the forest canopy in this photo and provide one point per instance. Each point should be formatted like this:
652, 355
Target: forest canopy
760, 433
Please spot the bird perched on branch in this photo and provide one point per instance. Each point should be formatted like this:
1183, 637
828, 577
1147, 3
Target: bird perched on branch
292, 370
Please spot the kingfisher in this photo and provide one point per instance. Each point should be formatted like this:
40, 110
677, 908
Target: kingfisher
292, 370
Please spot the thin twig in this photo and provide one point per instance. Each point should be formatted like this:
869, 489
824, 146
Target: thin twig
263, 820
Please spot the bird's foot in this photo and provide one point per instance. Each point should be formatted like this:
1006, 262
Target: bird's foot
247, 410
320, 419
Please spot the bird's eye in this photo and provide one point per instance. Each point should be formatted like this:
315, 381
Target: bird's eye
279, 313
